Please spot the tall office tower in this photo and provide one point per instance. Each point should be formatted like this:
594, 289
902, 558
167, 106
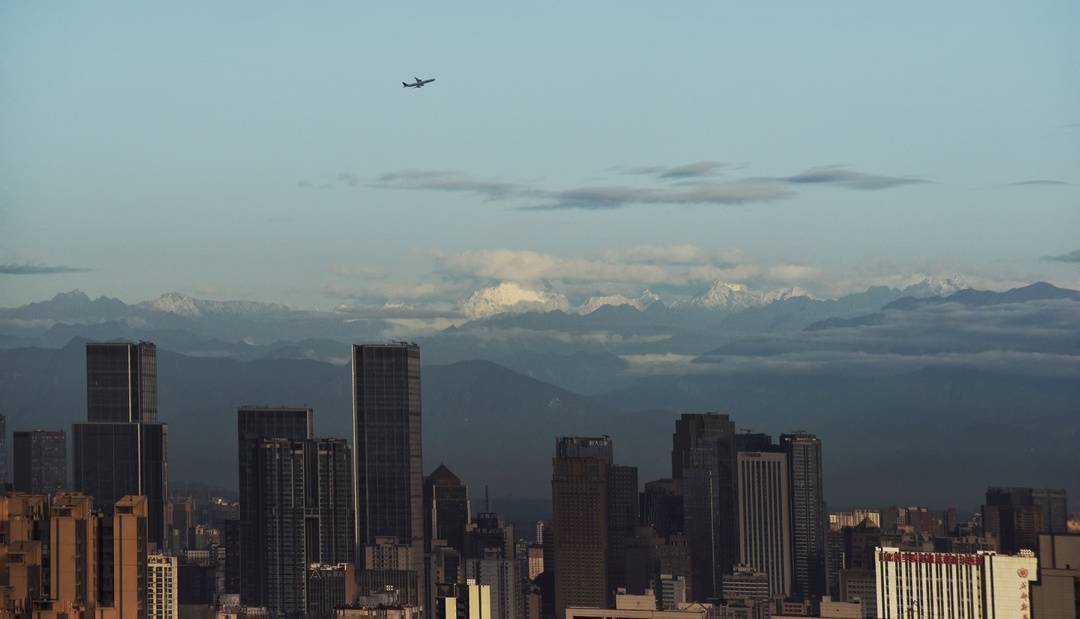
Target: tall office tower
808, 518
114, 460
579, 497
954, 586
662, 506
1054, 508
703, 462
121, 382
40, 461
73, 557
129, 557
764, 501
281, 555
122, 450
255, 423
162, 591
1011, 516
623, 517
386, 438
331, 538
649, 556
446, 508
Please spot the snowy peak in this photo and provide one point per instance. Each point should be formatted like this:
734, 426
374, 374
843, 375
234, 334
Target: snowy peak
729, 296
183, 305
936, 286
510, 297
642, 301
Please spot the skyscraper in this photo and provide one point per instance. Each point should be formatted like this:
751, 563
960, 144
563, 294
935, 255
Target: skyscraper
1012, 516
40, 461
446, 508
623, 518
73, 561
254, 425
808, 517
579, 497
5, 473
764, 517
1054, 508
388, 470
281, 554
328, 488
703, 464
122, 449
121, 382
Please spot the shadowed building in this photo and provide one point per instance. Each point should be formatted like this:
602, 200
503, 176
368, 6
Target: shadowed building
446, 508
579, 497
764, 517
388, 472
40, 461
808, 518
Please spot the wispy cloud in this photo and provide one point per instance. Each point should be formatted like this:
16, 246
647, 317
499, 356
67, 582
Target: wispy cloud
695, 169
1038, 182
38, 269
341, 179
613, 197
446, 180
851, 179
1073, 257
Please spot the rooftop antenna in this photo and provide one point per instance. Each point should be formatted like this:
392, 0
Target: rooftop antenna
487, 500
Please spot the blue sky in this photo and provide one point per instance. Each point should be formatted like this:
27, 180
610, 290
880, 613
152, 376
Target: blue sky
238, 150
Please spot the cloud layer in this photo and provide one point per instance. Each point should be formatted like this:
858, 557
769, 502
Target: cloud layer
1073, 257
38, 269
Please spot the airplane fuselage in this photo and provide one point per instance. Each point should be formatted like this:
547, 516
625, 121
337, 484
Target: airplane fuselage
418, 83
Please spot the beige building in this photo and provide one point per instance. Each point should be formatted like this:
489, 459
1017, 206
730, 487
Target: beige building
162, 601
73, 553
940, 585
129, 557
22, 528
1054, 597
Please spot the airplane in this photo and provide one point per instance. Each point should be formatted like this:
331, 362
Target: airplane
419, 83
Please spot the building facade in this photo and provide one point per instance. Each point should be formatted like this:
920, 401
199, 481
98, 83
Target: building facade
764, 517
808, 518
579, 496
935, 585
40, 461
162, 587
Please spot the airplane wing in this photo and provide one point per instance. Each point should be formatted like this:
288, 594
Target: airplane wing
418, 79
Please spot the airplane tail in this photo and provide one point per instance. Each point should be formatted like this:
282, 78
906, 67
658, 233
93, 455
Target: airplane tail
404, 85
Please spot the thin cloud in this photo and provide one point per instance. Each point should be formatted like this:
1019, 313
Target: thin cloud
1039, 182
341, 179
445, 180
851, 179
614, 197
696, 169
39, 269
1072, 257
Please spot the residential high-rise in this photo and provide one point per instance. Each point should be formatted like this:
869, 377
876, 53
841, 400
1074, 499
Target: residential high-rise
24, 531
122, 450
121, 382
255, 423
579, 497
954, 586
73, 556
40, 461
808, 517
765, 517
388, 472
329, 518
703, 464
162, 591
281, 554
129, 557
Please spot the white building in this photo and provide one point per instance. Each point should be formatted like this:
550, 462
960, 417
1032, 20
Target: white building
162, 601
938, 585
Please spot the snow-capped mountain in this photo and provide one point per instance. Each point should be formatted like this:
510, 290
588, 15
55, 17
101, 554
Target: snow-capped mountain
729, 296
183, 305
645, 299
936, 286
510, 297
